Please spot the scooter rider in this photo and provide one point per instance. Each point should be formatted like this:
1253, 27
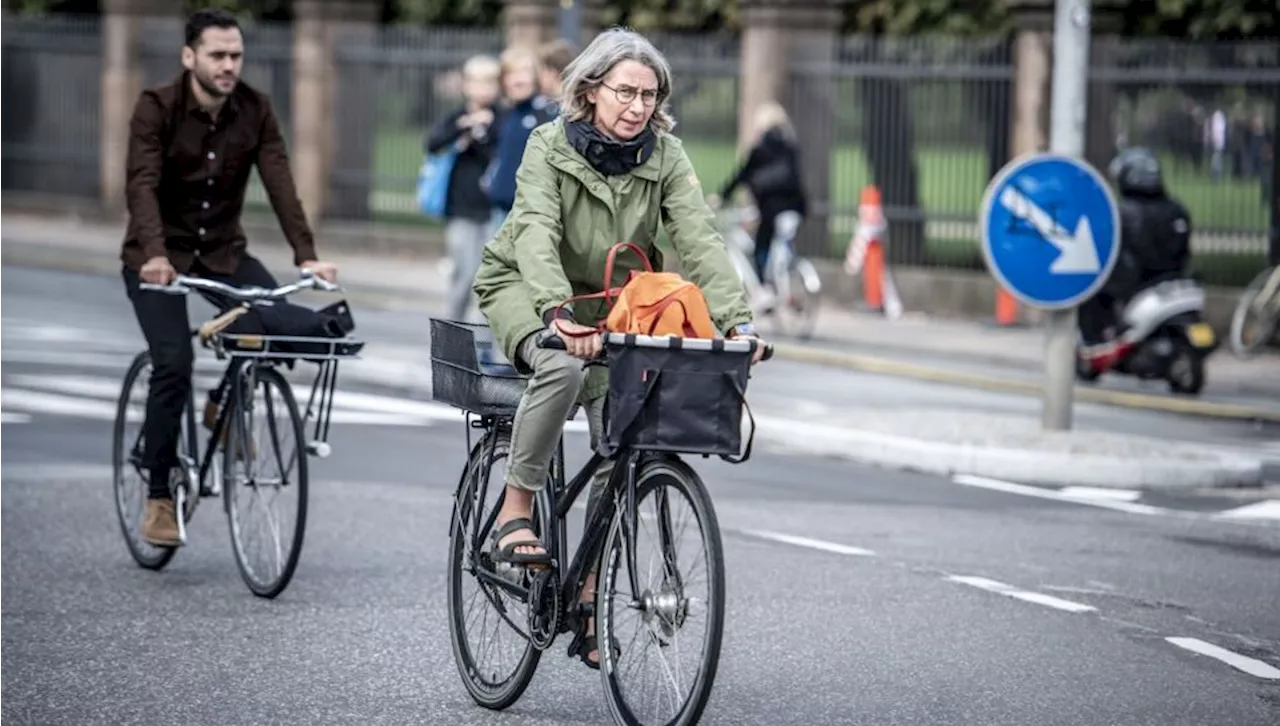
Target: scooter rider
1155, 234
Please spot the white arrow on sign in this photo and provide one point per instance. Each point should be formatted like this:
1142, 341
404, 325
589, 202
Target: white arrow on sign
1077, 252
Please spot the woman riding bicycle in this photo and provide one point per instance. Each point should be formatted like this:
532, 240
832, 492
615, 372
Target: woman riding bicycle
607, 170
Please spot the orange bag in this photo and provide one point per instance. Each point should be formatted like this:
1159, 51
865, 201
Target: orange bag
653, 303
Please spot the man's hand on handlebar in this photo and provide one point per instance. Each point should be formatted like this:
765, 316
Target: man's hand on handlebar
158, 271
580, 341
326, 271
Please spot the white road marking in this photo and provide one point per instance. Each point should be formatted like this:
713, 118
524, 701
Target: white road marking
1252, 666
815, 544
1268, 509
94, 397
36, 402
14, 418
1001, 588
1030, 491
1114, 495
61, 472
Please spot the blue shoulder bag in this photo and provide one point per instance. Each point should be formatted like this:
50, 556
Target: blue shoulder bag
433, 182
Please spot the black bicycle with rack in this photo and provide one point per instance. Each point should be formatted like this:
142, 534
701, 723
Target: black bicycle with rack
251, 381
667, 396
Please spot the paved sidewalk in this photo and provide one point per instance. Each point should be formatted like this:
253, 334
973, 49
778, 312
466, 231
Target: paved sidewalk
939, 440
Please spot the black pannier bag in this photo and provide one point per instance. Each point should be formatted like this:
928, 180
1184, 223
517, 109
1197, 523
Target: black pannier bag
680, 395
283, 319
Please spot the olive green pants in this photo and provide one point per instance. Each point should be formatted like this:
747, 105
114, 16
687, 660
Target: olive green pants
552, 391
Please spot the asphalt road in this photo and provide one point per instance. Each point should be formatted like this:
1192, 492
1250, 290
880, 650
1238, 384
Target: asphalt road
856, 595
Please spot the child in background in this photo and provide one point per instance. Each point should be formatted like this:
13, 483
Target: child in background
467, 208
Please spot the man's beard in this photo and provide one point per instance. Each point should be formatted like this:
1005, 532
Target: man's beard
209, 87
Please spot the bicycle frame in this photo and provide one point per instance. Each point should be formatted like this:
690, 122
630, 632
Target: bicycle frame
562, 496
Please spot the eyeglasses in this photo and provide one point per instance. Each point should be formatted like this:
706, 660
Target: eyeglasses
627, 94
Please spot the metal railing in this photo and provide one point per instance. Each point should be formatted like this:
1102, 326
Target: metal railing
928, 120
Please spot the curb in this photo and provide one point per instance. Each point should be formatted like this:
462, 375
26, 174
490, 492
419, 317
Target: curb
902, 369
1025, 466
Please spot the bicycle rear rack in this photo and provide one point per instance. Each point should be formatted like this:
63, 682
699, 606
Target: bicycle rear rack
324, 352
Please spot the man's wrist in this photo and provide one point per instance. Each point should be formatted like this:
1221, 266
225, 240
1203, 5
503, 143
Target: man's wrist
741, 329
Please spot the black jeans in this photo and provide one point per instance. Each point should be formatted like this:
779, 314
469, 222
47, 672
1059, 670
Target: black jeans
167, 328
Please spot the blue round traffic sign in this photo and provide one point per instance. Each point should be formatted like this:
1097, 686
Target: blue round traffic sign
1050, 230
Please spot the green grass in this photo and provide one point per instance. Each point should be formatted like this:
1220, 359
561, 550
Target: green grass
951, 180
951, 185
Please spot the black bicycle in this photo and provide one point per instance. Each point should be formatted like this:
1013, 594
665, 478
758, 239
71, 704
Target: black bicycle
667, 396
252, 388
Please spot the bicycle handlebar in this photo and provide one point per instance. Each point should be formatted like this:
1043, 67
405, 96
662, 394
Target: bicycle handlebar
551, 341
184, 284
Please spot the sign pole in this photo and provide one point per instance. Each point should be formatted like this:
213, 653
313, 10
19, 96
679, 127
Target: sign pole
1071, 31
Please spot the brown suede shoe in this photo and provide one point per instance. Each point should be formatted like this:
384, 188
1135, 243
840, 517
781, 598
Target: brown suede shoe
159, 524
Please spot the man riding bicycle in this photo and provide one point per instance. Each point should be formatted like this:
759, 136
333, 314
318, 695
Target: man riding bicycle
192, 145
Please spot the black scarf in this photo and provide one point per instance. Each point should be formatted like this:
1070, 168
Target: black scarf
610, 156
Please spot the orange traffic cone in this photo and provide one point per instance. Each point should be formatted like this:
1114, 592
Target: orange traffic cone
1006, 308
866, 251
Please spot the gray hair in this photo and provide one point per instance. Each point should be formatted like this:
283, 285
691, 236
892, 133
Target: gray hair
610, 48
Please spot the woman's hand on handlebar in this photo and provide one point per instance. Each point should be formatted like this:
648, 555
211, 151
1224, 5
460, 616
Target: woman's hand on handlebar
761, 347
580, 341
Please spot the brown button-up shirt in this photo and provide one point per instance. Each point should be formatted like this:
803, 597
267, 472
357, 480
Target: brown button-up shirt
187, 173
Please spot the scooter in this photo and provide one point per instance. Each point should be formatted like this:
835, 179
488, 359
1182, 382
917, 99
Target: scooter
1162, 335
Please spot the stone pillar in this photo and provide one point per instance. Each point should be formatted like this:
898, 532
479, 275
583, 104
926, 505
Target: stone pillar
775, 35
592, 21
1032, 72
333, 107
311, 100
124, 24
530, 22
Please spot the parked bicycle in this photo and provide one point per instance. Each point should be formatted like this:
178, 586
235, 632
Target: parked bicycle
675, 612
251, 383
1256, 319
792, 289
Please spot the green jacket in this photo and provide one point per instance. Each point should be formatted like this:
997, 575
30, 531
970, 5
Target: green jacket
556, 239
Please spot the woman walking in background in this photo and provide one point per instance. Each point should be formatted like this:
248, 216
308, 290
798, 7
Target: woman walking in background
467, 213
526, 109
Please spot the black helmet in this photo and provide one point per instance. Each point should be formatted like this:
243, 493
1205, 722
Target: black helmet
1136, 170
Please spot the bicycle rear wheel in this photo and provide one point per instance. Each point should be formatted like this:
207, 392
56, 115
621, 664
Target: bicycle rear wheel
488, 626
265, 425
669, 629
796, 307
1254, 322
129, 478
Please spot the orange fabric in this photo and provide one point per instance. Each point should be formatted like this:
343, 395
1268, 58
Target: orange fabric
653, 303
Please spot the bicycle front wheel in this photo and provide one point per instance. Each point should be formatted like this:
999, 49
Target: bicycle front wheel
661, 602
265, 479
